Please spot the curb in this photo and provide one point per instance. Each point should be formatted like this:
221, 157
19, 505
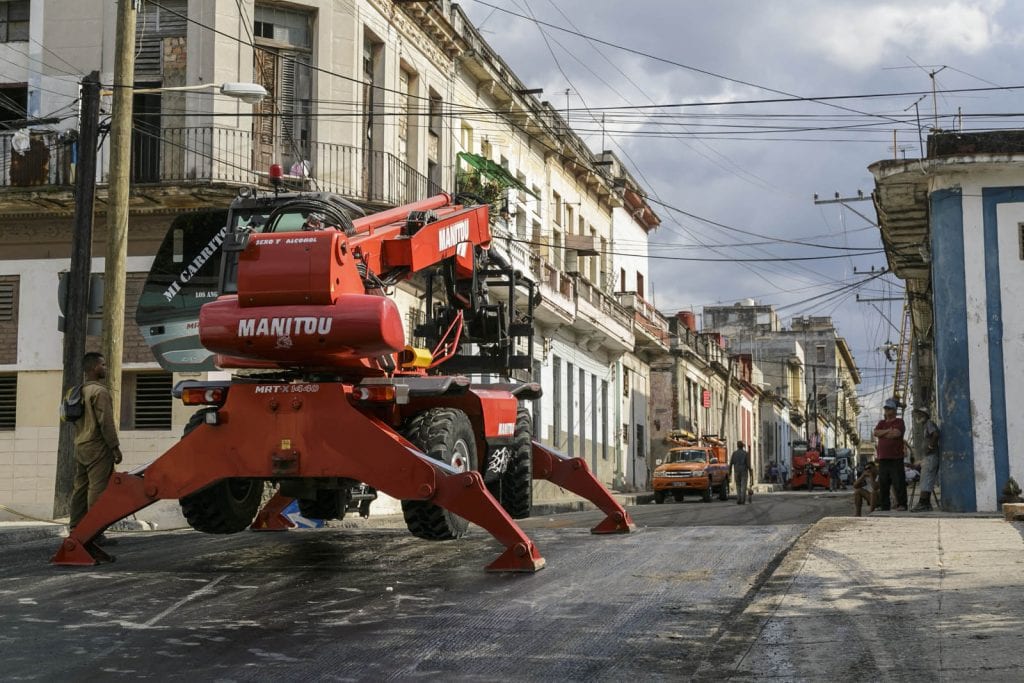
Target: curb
12, 534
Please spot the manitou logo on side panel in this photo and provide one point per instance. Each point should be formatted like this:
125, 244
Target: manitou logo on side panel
283, 327
452, 235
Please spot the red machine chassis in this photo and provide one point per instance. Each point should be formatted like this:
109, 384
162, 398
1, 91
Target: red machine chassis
322, 434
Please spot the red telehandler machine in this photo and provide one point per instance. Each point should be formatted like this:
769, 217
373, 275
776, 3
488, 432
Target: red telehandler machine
327, 401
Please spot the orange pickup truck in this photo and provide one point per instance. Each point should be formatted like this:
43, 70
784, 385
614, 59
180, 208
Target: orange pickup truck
698, 467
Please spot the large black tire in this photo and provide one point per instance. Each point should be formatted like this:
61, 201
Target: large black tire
326, 505
723, 490
226, 507
444, 434
515, 488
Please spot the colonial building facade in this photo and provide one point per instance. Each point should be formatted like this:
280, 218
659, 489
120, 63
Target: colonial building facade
381, 102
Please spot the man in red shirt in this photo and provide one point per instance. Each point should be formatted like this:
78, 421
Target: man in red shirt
889, 452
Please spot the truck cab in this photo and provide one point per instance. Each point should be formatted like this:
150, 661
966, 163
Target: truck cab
695, 468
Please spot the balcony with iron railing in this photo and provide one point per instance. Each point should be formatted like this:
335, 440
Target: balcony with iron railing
652, 325
211, 156
689, 343
568, 298
601, 311
514, 247
556, 288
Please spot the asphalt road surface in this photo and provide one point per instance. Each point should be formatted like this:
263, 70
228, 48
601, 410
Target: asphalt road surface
379, 604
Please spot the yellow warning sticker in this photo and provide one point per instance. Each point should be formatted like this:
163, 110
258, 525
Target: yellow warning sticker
286, 443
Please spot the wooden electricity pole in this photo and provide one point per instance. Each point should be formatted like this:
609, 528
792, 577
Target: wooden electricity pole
725, 401
77, 301
117, 201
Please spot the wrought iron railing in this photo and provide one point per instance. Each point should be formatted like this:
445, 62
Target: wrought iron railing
208, 154
48, 160
646, 315
606, 304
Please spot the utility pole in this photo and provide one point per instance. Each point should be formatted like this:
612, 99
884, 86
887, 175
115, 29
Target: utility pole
117, 200
935, 101
76, 305
725, 400
814, 402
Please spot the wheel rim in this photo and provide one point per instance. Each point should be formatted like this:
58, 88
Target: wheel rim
460, 456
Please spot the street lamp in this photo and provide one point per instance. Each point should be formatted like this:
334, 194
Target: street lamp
250, 93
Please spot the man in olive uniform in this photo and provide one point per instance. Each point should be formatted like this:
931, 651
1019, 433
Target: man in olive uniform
97, 448
741, 472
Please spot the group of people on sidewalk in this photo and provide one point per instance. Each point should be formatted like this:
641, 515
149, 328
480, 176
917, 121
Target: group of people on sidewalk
881, 479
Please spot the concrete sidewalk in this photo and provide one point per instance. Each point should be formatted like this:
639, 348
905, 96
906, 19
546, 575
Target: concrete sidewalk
886, 598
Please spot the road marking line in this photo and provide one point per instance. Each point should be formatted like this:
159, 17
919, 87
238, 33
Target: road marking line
149, 624
191, 596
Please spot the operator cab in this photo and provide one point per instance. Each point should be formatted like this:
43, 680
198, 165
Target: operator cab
189, 271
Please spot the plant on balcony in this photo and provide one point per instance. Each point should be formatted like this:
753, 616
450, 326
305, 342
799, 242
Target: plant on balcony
473, 182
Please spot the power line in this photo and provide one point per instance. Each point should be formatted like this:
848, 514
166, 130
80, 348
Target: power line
703, 260
688, 67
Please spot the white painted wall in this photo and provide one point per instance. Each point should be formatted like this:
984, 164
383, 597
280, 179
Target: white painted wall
1011, 270
630, 252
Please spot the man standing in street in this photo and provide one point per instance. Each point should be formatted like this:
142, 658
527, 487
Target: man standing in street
889, 453
97, 448
739, 462
929, 461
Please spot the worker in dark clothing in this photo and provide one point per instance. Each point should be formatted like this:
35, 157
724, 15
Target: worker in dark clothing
97, 448
889, 452
865, 489
930, 461
742, 473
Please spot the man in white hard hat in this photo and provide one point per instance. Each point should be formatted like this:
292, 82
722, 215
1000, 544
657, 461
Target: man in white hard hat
889, 453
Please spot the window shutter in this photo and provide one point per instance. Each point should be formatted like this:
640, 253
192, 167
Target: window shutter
152, 25
288, 63
266, 75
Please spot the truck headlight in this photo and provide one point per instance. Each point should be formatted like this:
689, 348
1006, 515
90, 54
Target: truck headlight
699, 473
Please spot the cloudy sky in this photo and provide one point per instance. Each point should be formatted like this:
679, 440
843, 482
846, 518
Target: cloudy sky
746, 174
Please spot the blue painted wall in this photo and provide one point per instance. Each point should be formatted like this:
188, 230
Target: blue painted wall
991, 198
953, 398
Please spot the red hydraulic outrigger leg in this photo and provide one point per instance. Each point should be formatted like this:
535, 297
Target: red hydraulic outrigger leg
311, 431
574, 475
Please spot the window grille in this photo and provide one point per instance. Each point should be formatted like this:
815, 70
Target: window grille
150, 401
8, 401
6, 301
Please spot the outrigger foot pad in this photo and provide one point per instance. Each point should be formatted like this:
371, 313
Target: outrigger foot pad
574, 475
522, 557
74, 553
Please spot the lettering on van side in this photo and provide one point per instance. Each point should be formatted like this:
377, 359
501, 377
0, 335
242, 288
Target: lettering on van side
193, 268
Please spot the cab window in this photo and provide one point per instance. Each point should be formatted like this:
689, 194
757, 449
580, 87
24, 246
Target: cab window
687, 456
